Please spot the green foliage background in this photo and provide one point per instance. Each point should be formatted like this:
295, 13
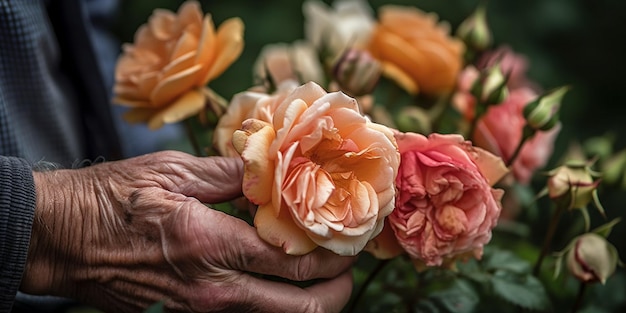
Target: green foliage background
580, 43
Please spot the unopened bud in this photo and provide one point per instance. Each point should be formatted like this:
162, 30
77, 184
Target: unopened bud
592, 258
572, 185
542, 113
357, 72
474, 30
490, 87
413, 119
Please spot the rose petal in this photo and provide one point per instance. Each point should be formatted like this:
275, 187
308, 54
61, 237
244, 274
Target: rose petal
258, 166
178, 65
230, 41
490, 165
280, 231
385, 245
185, 106
171, 87
163, 24
138, 115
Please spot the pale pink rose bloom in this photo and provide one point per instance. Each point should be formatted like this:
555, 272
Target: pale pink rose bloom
445, 205
320, 172
245, 105
500, 131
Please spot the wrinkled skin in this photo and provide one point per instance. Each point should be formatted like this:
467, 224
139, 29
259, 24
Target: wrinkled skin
124, 235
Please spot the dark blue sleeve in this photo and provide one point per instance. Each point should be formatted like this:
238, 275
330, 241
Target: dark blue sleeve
17, 207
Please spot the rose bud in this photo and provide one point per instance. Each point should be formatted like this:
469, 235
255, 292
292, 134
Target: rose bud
490, 87
414, 119
474, 30
592, 258
357, 72
572, 185
542, 114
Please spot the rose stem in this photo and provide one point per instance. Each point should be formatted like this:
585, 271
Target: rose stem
527, 133
548, 239
192, 137
366, 283
579, 297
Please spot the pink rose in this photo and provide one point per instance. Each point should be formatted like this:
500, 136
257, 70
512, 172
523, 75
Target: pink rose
500, 131
246, 105
320, 172
445, 205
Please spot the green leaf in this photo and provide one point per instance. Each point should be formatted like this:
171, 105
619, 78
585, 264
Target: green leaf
524, 291
605, 230
158, 307
460, 297
497, 259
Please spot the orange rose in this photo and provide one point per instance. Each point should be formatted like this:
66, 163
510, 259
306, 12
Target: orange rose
416, 52
173, 55
321, 173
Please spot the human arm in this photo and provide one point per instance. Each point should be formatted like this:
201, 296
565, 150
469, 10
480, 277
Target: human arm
123, 235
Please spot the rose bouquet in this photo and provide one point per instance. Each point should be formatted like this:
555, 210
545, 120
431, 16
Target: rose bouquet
391, 135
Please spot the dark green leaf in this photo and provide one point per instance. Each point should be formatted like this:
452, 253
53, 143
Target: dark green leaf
524, 291
460, 297
426, 306
505, 260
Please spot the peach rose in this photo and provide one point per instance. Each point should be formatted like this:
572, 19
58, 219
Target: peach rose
416, 51
161, 74
246, 105
445, 205
320, 172
500, 131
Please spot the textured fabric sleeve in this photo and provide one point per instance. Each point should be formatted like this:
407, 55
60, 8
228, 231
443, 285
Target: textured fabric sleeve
17, 207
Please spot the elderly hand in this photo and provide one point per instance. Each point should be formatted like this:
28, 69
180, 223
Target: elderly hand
124, 235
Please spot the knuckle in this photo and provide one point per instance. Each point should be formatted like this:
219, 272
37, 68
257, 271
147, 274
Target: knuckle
305, 268
313, 306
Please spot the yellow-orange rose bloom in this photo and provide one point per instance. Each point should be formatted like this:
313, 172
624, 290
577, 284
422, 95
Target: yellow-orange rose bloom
416, 51
321, 173
159, 76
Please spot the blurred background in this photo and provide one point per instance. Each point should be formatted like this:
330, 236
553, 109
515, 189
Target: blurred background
580, 43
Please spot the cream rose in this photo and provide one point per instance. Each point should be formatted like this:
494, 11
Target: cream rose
348, 23
296, 61
161, 74
320, 172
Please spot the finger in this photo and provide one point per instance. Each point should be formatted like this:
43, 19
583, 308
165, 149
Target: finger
220, 179
327, 296
209, 179
333, 294
257, 256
